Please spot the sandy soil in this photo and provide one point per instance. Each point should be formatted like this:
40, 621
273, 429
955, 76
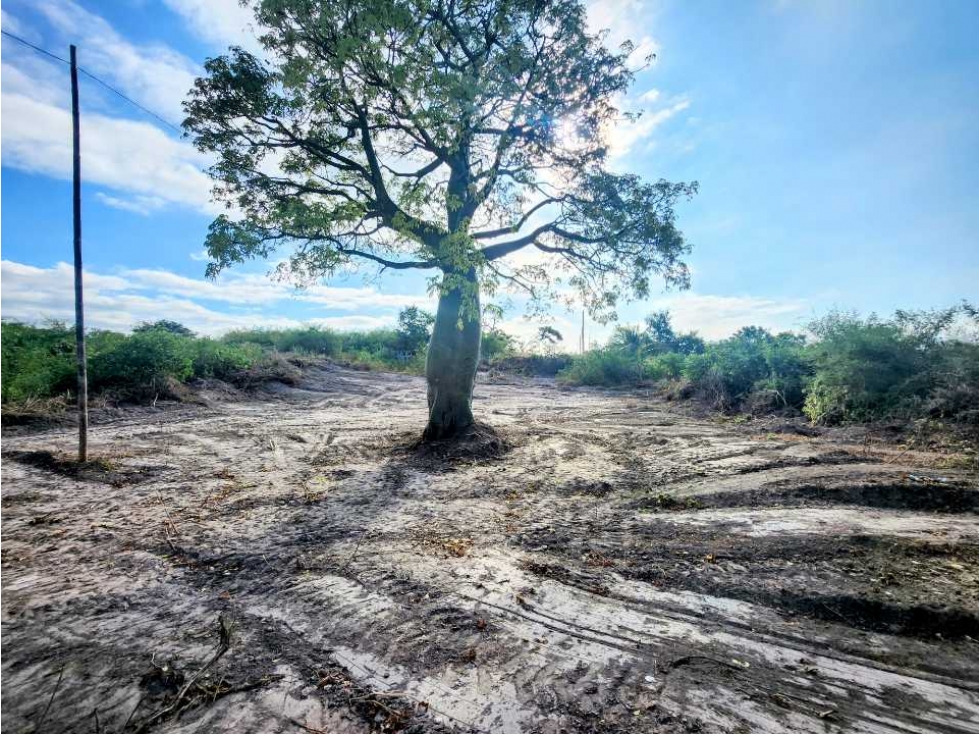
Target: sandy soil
623, 568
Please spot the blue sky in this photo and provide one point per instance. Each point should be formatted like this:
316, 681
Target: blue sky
836, 144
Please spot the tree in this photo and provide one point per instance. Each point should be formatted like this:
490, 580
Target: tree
439, 135
663, 337
549, 335
414, 328
172, 327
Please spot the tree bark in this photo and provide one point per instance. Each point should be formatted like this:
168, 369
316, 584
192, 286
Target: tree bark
453, 355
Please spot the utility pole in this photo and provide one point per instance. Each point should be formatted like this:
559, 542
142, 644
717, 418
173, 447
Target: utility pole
582, 331
79, 303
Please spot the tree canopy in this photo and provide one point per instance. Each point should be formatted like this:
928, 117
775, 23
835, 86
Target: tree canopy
441, 135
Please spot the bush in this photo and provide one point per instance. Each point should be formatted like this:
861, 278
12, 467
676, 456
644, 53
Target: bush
309, 340
414, 329
38, 362
871, 368
174, 327
534, 365
668, 366
265, 338
753, 366
496, 345
607, 366
223, 361
146, 361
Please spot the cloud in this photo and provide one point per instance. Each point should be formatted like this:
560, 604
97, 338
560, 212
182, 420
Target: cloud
122, 300
134, 158
145, 168
625, 135
650, 96
153, 74
219, 22
716, 317
12, 25
138, 204
620, 19
526, 330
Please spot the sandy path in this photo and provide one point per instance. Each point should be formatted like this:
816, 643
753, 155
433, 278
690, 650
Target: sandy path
622, 568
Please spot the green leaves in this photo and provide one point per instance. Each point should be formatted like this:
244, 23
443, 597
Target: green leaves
403, 133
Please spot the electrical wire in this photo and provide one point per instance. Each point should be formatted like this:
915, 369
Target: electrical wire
92, 76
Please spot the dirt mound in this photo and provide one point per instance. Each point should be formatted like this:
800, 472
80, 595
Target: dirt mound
480, 442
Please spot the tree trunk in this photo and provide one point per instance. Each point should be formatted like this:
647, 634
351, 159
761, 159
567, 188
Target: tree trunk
453, 354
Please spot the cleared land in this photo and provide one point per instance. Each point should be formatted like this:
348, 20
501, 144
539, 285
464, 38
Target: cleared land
623, 567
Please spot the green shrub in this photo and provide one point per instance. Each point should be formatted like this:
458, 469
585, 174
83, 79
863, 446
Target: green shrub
174, 327
38, 362
955, 393
752, 367
309, 340
608, 367
534, 365
223, 361
871, 368
146, 361
668, 366
414, 330
265, 338
496, 345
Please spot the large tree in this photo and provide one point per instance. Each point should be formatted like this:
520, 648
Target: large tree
438, 135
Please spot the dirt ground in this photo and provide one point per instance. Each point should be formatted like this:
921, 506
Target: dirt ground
290, 563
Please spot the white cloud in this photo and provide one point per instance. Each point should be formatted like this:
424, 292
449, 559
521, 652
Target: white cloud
625, 135
13, 25
145, 168
650, 96
134, 158
220, 22
716, 317
622, 19
154, 75
138, 204
121, 300
526, 330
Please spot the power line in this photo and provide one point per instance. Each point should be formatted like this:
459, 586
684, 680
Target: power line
135, 104
36, 48
92, 76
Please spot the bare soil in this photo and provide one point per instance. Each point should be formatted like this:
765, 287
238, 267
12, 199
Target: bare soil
596, 562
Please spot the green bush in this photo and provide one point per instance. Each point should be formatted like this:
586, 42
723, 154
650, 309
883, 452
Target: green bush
496, 345
668, 366
174, 327
955, 393
145, 361
753, 367
309, 340
414, 330
906, 366
38, 362
609, 366
223, 361
265, 338
534, 365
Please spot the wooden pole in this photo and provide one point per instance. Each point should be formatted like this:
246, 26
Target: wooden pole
79, 304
